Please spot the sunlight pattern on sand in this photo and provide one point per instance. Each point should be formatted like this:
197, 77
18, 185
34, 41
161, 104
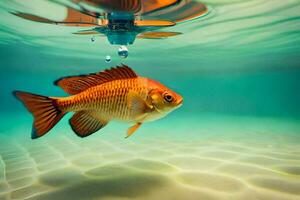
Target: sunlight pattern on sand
235, 166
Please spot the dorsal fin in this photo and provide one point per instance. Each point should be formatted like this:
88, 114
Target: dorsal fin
77, 84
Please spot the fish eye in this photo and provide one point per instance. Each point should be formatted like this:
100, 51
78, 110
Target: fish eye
168, 98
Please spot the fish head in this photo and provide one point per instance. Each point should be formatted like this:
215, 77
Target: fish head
163, 99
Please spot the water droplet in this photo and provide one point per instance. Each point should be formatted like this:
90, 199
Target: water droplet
107, 59
123, 51
93, 39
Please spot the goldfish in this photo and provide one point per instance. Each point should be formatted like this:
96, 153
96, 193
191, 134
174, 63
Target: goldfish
96, 99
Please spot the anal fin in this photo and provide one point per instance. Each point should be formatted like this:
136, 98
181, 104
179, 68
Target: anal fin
85, 123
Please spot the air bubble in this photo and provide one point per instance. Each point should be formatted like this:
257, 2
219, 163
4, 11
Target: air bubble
123, 51
107, 59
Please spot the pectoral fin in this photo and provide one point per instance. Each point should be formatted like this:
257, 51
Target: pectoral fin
137, 104
132, 129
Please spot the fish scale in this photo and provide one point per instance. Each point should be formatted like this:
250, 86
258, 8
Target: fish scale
109, 100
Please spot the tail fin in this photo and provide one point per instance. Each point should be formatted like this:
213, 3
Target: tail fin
44, 109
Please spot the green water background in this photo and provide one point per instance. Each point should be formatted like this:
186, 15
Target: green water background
235, 137
242, 59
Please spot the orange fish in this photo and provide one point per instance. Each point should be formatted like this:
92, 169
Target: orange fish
114, 94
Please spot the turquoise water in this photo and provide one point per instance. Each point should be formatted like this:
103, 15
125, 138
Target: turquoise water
235, 137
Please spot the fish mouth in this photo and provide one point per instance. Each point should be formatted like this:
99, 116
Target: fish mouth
179, 102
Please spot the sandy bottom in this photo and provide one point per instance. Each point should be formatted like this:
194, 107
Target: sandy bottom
246, 165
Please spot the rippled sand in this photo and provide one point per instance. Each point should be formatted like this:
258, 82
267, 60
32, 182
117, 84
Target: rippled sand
253, 164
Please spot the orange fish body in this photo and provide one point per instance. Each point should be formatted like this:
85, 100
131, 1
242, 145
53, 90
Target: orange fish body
115, 94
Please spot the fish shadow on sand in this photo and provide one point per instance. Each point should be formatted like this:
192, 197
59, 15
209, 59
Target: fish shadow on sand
97, 183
